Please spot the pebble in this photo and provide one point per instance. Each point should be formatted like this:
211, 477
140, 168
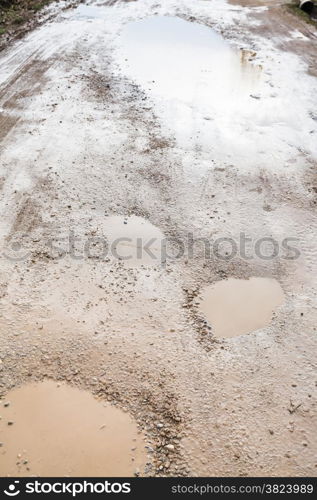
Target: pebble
170, 447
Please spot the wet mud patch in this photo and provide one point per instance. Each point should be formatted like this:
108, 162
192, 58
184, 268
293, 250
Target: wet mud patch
236, 307
50, 429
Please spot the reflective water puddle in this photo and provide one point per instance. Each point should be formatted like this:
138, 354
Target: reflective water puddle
51, 430
235, 307
134, 240
195, 72
181, 59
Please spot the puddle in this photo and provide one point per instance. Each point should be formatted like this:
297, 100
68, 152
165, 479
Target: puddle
235, 307
133, 240
185, 61
197, 74
51, 430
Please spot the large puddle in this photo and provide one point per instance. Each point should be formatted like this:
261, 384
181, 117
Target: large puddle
52, 430
235, 307
198, 76
184, 60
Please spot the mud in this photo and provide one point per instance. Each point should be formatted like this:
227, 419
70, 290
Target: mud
56, 430
88, 139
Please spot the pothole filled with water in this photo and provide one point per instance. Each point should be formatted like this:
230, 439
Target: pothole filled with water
201, 84
49, 429
134, 240
235, 307
185, 60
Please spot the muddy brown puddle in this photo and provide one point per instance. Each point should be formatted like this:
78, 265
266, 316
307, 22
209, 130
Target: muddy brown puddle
235, 307
50, 429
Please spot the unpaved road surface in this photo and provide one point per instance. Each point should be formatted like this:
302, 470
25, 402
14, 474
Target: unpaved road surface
90, 131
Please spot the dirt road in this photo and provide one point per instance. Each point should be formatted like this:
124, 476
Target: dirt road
109, 127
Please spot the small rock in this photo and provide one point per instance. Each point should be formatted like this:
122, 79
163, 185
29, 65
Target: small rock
170, 447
